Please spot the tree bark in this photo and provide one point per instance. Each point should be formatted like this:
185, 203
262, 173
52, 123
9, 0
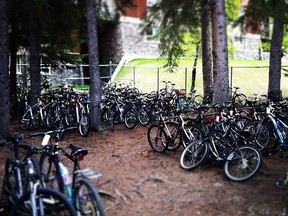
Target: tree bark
220, 52
274, 92
34, 51
4, 71
206, 52
95, 83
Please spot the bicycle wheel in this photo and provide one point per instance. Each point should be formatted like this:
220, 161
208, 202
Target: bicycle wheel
10, 184
243, 163
154, 115
108, 117
157, 138
50, 170
24, 122
130, 118
191, 133
240, 100
48, 202
84, 125
260, 135
194, 154
174, 140
87, 199
51, 117
143, 115
70, 115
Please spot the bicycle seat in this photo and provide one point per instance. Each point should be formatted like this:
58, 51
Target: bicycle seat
75, 150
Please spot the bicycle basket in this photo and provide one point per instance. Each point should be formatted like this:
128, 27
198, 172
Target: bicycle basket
180, 91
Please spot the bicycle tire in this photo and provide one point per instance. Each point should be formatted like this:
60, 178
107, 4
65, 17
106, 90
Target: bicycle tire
87, 199
155, 115
24, 122
143, 116
157, 138
130, 118
240, 100
70, 115
174, 142
194, 133
50, 170
51, 119
84, 125
108, 118
194, 155
243, 163
10, 184
260, 135
49, 202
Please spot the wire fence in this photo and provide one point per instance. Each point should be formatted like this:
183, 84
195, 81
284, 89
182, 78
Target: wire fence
250, 79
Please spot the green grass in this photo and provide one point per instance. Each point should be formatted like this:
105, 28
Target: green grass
250, 75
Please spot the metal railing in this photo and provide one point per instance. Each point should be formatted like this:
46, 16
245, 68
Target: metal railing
250, 79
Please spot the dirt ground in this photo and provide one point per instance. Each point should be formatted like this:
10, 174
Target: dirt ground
138, 181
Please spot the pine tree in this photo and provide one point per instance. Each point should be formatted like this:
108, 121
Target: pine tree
4, 71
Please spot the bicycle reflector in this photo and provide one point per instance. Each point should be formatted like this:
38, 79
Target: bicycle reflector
80, 157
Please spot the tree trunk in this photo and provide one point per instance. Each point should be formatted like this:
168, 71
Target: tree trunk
193, 78
34, 50
274, 92
206, 52
4, 71
220, 52
13, 77
95, 83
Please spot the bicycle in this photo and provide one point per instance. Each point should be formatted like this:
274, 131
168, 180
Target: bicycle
78, 113
171, 132
23, 186
80, 190
241, 160
239, 99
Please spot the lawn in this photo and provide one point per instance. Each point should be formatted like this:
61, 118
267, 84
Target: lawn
148, 75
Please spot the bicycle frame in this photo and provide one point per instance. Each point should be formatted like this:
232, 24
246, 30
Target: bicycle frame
279, 127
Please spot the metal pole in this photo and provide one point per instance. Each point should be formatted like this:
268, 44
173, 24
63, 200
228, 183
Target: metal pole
185, 80
134, 76
231, 78
110, 73
158, 79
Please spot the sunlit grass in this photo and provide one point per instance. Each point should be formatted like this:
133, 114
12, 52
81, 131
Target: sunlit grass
250, 75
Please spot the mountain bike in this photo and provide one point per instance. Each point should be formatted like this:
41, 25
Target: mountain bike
171, 132
23, 187
79, 190
241, 160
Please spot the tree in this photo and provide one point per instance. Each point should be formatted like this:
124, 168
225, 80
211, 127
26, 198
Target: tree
220, 52
4, 71
276, 53
43, 28
34, 54
206, 51
95, 82
176, 18
258, 11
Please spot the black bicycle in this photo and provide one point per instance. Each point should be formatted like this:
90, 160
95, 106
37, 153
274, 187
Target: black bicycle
23, 188
79, 189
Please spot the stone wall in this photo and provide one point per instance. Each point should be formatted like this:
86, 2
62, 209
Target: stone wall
134, 43
124, 37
